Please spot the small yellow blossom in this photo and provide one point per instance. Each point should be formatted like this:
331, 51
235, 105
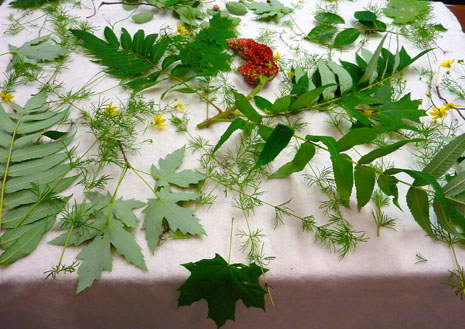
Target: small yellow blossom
447, 63
277, 56
368, 111
420, 101
181, 29
449, 106
291, 74
179, 106
428, 94
6, 97
111, 109
159, 121
439, 113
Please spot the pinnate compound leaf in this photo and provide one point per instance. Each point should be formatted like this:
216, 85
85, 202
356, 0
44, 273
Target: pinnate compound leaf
222, 285
96, 257
446, 157
275, 143
166, 174
304, 154
364, 184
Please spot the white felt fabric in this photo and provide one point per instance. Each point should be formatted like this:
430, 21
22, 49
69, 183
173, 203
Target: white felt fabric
378, 286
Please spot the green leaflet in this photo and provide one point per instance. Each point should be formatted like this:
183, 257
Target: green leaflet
456, 185
342, 166
329, 18
21, 241
222, 285
31, 213
364, 183
307, 99
346, 37
343, 77
235, 125
417, 201
327, 78
166, 174
304, 154
236, 8
370, 72
385, 150
276, 142
272, 9
446, 157
125, 244
143, 17
246, 108
321, 33
356, 136
388, 184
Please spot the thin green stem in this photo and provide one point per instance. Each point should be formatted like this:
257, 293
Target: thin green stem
230, 240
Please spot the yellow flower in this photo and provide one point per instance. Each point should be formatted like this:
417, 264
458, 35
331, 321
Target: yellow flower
111, 110
159, 121
439, 113
449, 106
6, 97
447, 63
428, 94
368, 111
179, 106
277, 56
291, 74
182, 30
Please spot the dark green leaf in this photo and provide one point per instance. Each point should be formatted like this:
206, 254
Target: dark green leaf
321, 32
388, 184
417, 201
244, 106
346, 37
385, 150
111, 37
304, 154
446, 157
281, 104
365, 15
275, 143
263, 104
222, 285
329, 18
364, 183
307, 99
356, 137
54, 134
235, 125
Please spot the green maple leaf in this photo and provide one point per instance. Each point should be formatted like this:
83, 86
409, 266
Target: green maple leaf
166, 174
36, 51
222, 285
272, 9
96, 257
405, 11
177, 217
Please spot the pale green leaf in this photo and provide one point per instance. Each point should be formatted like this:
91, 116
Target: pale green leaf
25, 182
125, 244
327, 78
142, 18
344, 78
36, 167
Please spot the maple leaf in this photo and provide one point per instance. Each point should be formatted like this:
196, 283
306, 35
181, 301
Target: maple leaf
166, 174
36, 51
405, 11
272, 9
177, 217
222, 285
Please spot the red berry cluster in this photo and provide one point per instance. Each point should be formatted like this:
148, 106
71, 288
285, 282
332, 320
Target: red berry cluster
259, 59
